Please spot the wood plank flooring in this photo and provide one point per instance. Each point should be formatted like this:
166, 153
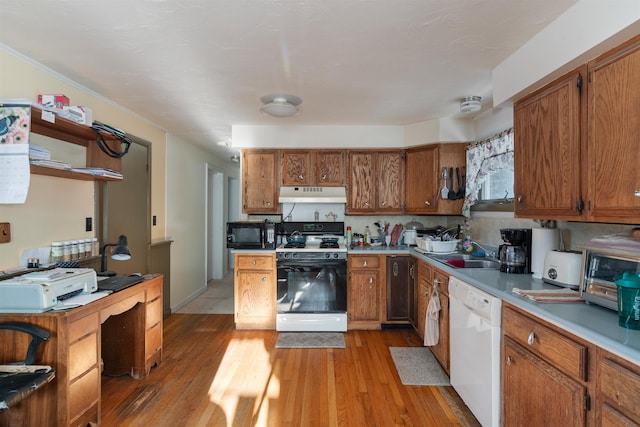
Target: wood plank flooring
214, 375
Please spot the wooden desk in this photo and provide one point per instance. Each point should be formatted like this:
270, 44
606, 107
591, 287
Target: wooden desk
122, 330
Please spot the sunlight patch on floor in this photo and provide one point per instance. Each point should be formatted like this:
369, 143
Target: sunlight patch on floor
244, 386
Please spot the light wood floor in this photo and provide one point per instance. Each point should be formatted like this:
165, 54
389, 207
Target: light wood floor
214, 375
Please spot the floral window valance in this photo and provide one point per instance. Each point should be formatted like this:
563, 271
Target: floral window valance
483, 157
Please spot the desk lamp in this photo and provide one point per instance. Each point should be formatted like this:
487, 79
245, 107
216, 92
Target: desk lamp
120, 253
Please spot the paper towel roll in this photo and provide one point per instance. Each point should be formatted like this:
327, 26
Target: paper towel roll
542, 241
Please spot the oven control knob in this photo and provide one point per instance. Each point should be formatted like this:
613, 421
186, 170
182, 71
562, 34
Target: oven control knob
336, 256
327, 255
294, 255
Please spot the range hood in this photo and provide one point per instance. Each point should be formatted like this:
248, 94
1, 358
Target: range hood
313, 195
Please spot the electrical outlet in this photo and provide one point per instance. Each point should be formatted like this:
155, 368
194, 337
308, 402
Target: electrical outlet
5, 232
154, 220
88, 224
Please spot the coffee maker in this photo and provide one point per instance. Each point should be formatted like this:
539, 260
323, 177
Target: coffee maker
515, 254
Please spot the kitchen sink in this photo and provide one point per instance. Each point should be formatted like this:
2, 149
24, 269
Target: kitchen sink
466, 261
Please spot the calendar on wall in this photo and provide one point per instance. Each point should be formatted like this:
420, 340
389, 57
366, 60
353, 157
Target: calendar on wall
15, 125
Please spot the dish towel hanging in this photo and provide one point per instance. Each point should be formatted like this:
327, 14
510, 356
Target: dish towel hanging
432, 326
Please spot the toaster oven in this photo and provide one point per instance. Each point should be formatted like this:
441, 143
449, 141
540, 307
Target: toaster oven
605, 260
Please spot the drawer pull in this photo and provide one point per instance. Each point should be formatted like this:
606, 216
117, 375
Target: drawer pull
436, 282
254, 262
509, 360
324, 177
370, 279
301, 177
531, 339
364, 263
428, 203
264, 279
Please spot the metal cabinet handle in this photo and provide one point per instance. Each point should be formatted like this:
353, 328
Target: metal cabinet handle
384, 203
264, 279
364, 263
366, 203
509, 360
519, 199
436, 282
532, 338
301, 177
428, 203
637, 193
324, 177
370, 279
254, 262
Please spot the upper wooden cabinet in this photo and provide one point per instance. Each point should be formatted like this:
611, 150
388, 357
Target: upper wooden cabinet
74, 133
315, 167
613, 175
547, 137
376, 182
424, 166
259, 181
575, 143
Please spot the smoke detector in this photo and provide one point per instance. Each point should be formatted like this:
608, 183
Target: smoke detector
470, 104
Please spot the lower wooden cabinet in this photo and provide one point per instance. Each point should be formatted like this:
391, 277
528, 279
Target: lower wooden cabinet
618, 392
547, 374
255, 291
365, 291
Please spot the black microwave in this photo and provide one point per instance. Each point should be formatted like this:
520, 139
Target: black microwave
251, 234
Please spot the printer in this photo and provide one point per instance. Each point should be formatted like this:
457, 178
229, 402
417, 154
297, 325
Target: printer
40, 291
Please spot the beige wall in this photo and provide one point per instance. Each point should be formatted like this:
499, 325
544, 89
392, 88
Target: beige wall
56, 208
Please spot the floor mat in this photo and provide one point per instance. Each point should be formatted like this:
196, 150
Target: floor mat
310, 340
418, 366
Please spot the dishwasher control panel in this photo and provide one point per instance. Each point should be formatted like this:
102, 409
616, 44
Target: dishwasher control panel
479, 302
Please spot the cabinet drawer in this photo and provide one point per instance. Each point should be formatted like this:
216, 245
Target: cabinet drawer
254, 262
364, 262
84, 393
83, 355
84, 326
425, 271
620, 387
153, 340
154, 312
442, 280
154, 290
560, 351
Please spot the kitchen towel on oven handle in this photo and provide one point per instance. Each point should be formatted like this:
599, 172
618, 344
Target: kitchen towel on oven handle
432, 324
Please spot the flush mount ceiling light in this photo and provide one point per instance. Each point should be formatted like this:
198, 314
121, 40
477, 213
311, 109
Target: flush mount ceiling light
470, 104
280, 105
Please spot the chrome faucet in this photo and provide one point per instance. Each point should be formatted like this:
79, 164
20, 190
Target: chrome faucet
491, 253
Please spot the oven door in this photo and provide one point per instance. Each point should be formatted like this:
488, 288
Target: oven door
312, 286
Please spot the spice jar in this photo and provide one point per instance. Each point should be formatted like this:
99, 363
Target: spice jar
66, 251
57, 252
74, 250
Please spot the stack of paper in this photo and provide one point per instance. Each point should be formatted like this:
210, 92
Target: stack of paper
39, 153
54, 164
109, 173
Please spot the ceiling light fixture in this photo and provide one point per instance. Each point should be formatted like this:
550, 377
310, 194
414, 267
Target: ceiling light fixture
470, 104
280, 105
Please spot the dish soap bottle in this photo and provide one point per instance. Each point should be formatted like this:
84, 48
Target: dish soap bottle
367, 236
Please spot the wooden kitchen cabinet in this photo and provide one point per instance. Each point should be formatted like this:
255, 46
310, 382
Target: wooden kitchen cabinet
255, 291
323, 168
618, 400
260, 179
613, 175
376, 182
401, 282
365, 291
428, 277
424, 182
546, 373
548, 128
575, 143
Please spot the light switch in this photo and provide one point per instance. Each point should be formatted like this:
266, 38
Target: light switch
5, 232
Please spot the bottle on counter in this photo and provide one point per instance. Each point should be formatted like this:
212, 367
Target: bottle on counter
367, 236
349, 236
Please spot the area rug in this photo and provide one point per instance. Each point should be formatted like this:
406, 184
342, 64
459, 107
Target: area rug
417, 366
310, 340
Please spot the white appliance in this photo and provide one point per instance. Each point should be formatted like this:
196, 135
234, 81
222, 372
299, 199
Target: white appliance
474, 322
563, 268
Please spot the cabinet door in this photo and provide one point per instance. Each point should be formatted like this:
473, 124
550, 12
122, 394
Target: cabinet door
330, 168
259, 181
296, 168
423, 302
255, 297
390, 181
422, 180
547, 155
536, 393
398, 289
361, 189
614, 126
364, 296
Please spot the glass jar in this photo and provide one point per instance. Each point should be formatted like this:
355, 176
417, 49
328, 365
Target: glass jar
95, 247
57, 252
86, 245
66, 251
74, 250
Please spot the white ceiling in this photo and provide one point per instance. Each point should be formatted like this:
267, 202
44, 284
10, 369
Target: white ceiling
195, 68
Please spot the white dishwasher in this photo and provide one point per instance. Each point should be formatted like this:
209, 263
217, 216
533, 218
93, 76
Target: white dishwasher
474, 325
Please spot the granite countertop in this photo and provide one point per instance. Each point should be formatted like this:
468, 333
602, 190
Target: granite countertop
591, 322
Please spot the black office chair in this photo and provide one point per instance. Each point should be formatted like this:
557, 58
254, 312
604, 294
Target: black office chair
17, 379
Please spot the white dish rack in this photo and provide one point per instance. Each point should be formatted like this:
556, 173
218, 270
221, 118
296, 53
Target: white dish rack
437, 246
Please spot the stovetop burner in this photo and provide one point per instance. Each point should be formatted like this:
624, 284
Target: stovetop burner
294, 245
329, 245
